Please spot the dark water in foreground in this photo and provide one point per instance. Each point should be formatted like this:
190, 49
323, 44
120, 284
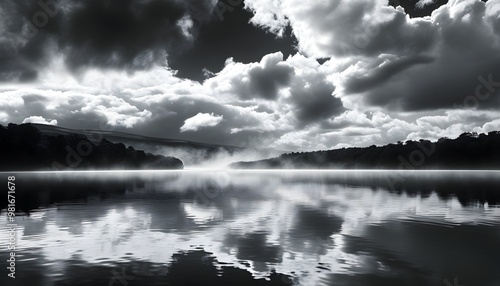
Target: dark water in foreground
255, 228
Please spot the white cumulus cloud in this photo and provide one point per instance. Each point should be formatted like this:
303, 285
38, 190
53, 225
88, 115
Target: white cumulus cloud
40, 120
201, 120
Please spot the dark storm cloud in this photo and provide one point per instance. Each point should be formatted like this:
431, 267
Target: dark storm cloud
469, 86
264, 79
464, 74
126, 34
257, 80
232, 36
130, 34
313, 100
116, 32
384, 73
11, 70
21, 53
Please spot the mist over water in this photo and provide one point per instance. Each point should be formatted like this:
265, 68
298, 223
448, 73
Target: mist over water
219, 159
208, 156
307, 227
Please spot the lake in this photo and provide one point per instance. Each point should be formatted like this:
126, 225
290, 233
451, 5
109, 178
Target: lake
255, 227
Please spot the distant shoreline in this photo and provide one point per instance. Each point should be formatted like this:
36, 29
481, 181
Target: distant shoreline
470, 151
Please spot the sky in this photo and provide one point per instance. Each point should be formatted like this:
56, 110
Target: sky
284, 74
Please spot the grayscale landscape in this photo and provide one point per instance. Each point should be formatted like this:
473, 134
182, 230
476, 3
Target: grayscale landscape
250, 142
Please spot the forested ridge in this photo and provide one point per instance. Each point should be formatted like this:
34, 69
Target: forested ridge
24, 148
468, 151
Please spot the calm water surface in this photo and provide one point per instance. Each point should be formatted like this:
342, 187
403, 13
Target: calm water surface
256, 228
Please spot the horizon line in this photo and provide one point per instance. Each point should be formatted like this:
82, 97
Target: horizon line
248, 170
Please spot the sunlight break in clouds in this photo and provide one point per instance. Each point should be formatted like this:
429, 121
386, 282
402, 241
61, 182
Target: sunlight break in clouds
201, 120
422, 3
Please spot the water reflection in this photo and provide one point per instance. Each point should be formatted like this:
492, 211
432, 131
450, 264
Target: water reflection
246, 228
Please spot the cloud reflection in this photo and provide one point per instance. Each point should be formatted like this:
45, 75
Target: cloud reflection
316, 228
